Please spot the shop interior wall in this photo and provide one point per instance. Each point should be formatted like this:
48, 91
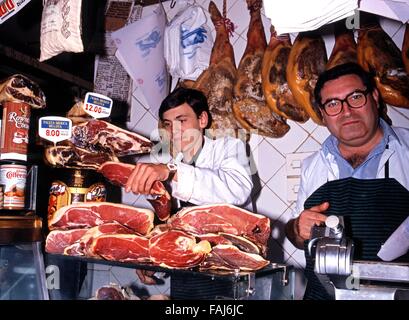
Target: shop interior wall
270, 196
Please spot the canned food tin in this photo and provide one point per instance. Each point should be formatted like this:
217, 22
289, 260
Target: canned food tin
13, 177
14, 131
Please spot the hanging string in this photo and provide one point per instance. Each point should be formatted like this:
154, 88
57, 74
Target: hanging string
226, 21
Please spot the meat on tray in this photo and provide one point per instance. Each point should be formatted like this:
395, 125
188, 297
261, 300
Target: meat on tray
223, 218
91, 214
177, 249
83, 245
121, 247
101, 136
118, 174
229, 257
74, 157
58, 240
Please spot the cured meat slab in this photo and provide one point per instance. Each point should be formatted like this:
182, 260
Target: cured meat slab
344, 50
101, 136
222, 218
118, 174
20, 89
378, 54
229, 257
91, 214
58, 240
307, 60
250, 107
73, 157
177, 249
121, 247
405, 49
274, 79
82, 246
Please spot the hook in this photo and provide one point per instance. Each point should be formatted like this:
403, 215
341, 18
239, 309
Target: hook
173, 3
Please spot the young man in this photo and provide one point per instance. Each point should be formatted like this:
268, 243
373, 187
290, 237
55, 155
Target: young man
363, 151
210, 171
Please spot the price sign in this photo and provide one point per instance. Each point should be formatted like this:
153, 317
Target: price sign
97, 105
54, 129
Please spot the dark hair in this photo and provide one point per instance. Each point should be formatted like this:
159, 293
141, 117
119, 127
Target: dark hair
342, 70
194, 98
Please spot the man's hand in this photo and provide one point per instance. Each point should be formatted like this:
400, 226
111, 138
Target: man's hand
298, 230
144, 175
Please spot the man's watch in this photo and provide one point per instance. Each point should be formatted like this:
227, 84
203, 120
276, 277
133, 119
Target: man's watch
173, 168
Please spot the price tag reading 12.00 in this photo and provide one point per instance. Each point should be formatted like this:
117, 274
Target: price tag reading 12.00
54, 129
97, 105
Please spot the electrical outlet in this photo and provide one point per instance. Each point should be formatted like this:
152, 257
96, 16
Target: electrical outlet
293, 163
293, 185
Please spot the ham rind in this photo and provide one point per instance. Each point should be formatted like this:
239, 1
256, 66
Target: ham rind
223, 218
176, 249
101, 136
91, 214
81, 247
58, 240
229, 257
121, 247
405, 49
118, 173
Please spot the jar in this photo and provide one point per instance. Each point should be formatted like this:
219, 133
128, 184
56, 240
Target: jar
13, 177
74, 186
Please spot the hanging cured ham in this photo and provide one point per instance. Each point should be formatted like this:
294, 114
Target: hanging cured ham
405, 49
308, 58
274, 79
250, 107
218, 80
344, 50
378, 54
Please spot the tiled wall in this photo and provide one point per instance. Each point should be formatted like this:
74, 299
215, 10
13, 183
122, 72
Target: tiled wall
269, 154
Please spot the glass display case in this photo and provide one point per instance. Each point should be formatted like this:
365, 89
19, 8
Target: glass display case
274, 282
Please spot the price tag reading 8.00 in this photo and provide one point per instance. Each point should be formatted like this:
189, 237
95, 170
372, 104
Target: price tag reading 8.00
97, 105
54, 129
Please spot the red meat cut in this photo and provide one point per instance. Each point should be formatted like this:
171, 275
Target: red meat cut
229, 257
121, 247
58, 240
91, 214
177, 249
81, 247
118, 174
100, 136
223, 218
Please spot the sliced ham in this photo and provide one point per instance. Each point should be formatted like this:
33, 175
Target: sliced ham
121, 247
223, 218
82, 246
91, 214
274, 79
307, 60
378, 54
250, 107
177, 249
118, 174
58, 240
229, 257
103, 137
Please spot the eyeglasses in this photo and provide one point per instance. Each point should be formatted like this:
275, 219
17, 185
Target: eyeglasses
355, 100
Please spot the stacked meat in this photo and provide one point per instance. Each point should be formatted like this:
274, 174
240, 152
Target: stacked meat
209, 237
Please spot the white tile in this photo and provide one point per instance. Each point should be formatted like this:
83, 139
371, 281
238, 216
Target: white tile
240, 16
399, 116
267, 160
320, 134
291, 141
395, 29
255, 140
309, 126
146, 125
137, 112
309, 145
239, 45
269, 204
278, 184
299, 257
278, 232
